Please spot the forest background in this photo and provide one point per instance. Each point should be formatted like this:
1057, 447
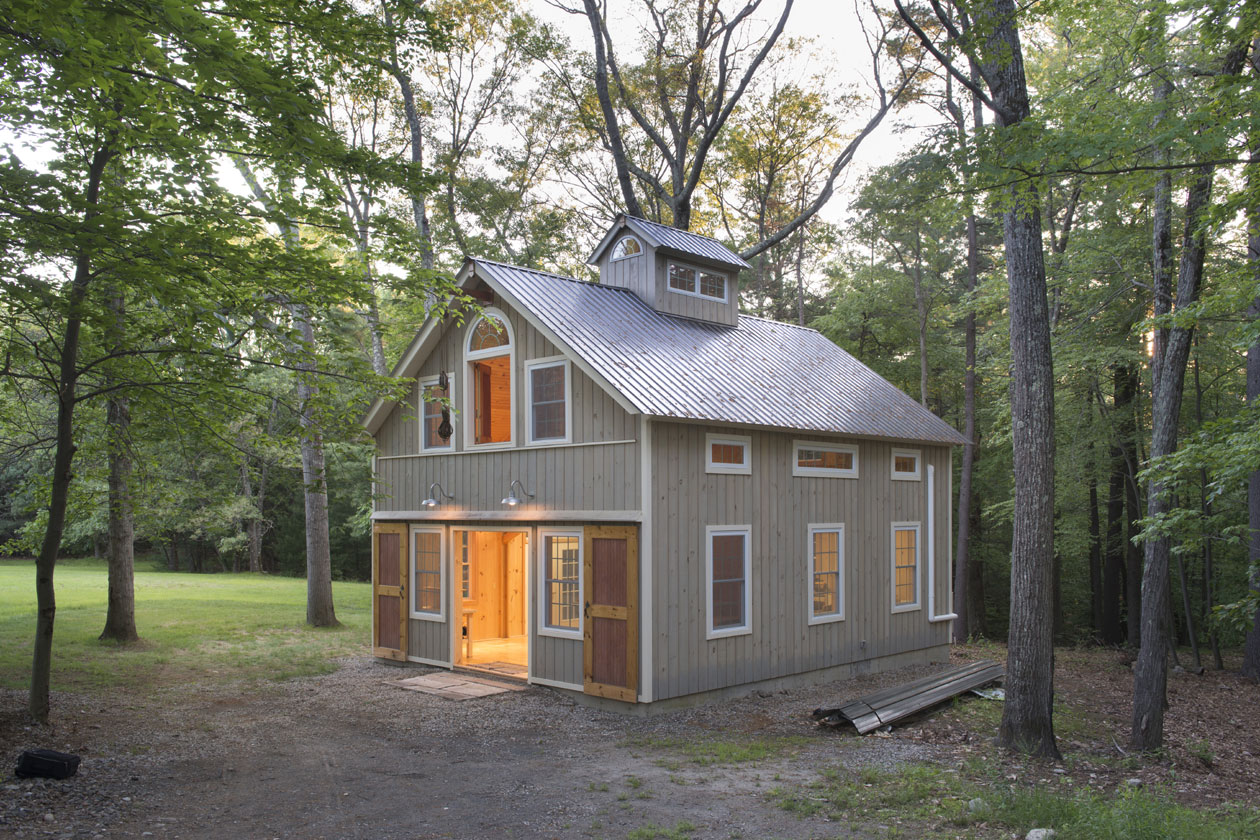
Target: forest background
238, 243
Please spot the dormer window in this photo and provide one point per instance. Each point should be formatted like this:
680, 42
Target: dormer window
627, 247
489, 355
685, 280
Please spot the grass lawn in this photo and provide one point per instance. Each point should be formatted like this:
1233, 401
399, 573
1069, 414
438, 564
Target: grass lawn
193, 627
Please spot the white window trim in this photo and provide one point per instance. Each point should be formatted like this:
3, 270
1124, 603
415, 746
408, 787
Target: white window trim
822, 472
440, 615
617, 245
726, 282
728, 469
916, 454
560, 632
470, 393
424, 383
827, 618
549, 361
744, 629
918, 565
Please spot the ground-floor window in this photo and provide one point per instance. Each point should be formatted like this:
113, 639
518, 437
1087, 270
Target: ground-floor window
426, 571
905, 566
562, 582
727, 568
826, 546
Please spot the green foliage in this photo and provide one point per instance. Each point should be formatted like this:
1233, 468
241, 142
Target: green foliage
925, 794
205, 629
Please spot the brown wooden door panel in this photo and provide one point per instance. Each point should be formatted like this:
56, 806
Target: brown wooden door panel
389, 591
610, 648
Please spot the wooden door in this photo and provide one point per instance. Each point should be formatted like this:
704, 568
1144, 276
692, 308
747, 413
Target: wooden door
389, 591
610, 632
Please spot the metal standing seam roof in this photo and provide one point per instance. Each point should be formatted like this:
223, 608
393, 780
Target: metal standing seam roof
685, 241
760, 372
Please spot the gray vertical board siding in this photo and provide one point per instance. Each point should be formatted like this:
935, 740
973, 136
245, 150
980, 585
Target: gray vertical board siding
429, 639
602, 478
690, 306
780, 507
557, 660
631, 272
568, 478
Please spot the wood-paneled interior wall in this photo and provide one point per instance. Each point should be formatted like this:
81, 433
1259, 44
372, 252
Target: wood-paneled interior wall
498, 577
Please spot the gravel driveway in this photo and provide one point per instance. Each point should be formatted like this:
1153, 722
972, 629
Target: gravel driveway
348, 755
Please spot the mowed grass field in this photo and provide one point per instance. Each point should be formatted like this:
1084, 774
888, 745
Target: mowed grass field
193, 628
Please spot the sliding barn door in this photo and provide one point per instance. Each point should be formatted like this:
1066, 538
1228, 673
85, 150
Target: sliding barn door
389, 591
611, 625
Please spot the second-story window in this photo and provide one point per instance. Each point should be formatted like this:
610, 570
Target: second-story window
432, 397
686, 280
489, 354
547, 382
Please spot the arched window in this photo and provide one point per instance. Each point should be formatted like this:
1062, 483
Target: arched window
488, 333
627, 247
489, 357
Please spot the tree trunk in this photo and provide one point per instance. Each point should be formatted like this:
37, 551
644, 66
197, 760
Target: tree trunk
1251, 649
120, 614
1150, 676
920, 302
1095, 537
319, 600
965, 624
1027, 715
63, 455
1112, 633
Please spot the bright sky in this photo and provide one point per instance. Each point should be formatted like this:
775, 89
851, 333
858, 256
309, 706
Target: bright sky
839, 48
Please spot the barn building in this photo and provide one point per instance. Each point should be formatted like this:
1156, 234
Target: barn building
629, 490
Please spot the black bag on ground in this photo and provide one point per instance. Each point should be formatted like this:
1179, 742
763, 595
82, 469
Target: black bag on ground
48, 764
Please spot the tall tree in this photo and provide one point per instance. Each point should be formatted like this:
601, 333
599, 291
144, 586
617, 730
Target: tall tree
660, 120
124, 111
992, 42
1168, 368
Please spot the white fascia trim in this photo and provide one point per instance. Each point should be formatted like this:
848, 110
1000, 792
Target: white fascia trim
435, 662
728, 469
744, 629
440, 615
647, 634
549, 361
526, 516
917, 527
916, 454
809, 590
543, 629
931, 548
821, 472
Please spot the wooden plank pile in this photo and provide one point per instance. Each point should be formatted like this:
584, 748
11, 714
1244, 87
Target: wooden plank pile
883, 707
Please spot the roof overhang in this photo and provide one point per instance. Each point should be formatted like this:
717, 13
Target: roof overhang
430, 334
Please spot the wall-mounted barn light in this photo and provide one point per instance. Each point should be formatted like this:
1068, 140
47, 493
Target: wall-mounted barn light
512, 499
435, 498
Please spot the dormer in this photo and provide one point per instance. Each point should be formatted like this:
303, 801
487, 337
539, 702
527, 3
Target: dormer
672, 271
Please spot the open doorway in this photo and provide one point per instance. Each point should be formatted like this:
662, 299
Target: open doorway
492, 607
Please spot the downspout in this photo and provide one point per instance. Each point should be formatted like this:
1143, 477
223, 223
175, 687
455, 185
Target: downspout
931, 550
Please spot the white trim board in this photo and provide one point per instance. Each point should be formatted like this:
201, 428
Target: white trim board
452, 516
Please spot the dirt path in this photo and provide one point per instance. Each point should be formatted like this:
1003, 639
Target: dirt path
348, 756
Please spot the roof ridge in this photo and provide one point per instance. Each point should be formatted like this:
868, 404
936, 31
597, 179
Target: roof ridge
780, 323
547, 273
681, 230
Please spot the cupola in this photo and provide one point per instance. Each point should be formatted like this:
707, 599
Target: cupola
672, 271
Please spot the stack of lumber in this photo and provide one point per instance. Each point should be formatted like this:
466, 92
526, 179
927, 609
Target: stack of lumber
883, 707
